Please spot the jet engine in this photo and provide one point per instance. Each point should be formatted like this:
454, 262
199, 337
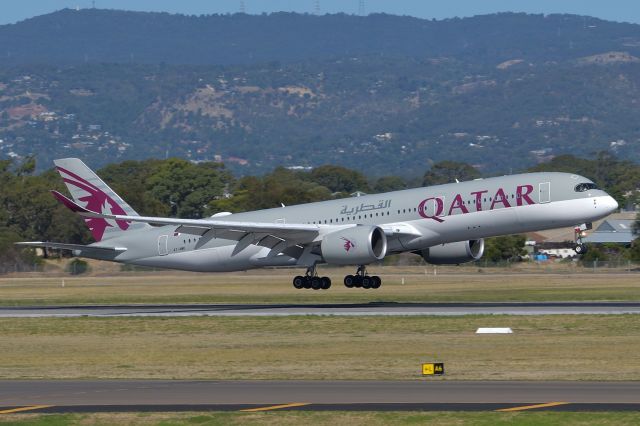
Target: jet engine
359, 245
454, 253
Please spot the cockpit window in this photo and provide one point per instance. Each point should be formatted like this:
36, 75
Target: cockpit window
582, 187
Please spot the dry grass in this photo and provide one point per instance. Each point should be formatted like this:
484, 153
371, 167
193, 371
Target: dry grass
328, 418
543, 347
274, 286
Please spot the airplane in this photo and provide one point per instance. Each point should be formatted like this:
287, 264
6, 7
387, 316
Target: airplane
444, 224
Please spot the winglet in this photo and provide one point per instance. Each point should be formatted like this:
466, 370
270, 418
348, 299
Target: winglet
68, 203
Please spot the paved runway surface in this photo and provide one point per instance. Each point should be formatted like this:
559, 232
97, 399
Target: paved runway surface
178, 395
355, 309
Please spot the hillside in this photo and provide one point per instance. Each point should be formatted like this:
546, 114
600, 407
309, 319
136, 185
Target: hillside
381, 94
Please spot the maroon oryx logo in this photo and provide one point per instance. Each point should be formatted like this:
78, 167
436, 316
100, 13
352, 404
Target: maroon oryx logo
96, 201
348, 244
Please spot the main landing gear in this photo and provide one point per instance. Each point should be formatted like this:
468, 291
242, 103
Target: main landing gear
312, 280
361, 279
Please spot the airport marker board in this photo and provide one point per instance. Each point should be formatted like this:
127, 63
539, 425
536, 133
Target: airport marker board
433, 369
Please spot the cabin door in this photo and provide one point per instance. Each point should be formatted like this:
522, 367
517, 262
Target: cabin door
162, 245
545, 192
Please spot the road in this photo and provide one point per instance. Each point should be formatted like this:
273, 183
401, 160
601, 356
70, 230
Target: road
347, 309
427, 394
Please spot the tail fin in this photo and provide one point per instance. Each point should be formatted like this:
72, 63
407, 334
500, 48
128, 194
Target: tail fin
89, 191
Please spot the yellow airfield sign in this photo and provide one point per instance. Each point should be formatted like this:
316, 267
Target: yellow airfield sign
433, 369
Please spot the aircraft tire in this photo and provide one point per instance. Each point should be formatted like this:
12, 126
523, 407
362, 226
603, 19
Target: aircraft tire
366, 282
581, 249
307, 282
349, 281
326, 283
298, 282
316, 283
376, 281
357, 281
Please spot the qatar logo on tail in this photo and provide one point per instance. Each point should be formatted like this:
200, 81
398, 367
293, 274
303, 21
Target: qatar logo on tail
96, 201
348, 244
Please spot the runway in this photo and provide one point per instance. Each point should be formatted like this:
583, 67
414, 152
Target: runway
342, 309
419, 395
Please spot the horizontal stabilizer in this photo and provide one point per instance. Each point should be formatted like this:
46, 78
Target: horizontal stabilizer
64, 246
68, 203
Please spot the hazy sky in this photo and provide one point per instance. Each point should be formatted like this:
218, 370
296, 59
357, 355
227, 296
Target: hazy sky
615, 10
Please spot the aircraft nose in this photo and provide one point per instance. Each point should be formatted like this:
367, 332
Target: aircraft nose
610, 204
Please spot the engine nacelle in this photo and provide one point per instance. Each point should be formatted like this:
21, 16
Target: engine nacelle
454, 253
359, 245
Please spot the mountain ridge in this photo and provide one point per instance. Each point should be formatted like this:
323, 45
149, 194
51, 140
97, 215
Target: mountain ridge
100, 35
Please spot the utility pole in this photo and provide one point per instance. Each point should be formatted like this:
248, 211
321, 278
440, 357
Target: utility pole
361, 8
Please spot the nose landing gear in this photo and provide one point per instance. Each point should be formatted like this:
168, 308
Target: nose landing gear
580, 247
312, 280
361, 279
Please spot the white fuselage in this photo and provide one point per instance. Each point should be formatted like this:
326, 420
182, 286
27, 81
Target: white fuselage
412, 219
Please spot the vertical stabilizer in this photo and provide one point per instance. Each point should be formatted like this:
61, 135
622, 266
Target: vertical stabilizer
89, 191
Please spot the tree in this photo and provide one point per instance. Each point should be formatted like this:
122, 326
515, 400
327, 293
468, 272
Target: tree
389, 183
448, 172
12, 257
634, 250
187, 188
508, 247
280, 186
339, 179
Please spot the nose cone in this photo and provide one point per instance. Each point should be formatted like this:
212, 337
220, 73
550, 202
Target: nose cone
610, 204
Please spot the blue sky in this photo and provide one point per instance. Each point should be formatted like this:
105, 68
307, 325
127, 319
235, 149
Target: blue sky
615, 10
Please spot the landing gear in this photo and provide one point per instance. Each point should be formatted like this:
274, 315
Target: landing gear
312, 280
580, 248
361, 279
